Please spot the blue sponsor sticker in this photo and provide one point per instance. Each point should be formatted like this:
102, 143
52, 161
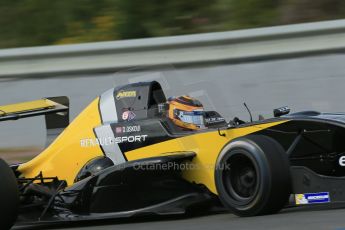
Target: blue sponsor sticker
312, 198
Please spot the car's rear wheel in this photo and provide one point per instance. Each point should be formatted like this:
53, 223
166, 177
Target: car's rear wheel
252, 176
9, 198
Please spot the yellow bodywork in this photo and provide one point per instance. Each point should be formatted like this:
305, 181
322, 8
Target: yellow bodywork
206, 145
65, 156
26, 106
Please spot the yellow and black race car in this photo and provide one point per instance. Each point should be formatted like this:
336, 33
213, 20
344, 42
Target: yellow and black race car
122, 156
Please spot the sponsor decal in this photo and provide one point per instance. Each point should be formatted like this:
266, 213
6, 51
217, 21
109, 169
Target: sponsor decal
128, 129
312, 198
342, 161
214, 120
128, 115
91, 142
125, 94
118, 130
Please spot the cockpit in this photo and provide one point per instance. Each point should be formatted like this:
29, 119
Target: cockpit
146, 100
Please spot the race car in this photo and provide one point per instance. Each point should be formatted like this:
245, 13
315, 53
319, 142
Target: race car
133, 152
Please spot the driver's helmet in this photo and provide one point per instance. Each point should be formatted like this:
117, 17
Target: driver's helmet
186, 112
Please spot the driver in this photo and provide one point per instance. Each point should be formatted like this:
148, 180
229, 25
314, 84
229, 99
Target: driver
186, 112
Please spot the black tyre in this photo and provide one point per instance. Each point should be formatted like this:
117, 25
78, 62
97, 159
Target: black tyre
9, 198
252, 176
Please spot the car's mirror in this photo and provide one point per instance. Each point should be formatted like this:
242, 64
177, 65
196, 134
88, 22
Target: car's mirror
281, 111
213, 119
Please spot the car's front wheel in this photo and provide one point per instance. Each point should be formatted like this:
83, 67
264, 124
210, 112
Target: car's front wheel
252, 176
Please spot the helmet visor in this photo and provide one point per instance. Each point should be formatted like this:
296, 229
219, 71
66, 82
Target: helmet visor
191, 117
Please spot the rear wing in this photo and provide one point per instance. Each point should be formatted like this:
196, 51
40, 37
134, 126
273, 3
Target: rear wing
55, 109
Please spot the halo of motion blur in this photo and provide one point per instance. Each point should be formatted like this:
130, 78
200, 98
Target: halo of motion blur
9, 196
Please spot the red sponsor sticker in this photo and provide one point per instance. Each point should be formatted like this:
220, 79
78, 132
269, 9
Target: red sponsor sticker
118, 129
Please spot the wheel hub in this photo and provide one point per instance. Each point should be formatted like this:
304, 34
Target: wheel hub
247, 177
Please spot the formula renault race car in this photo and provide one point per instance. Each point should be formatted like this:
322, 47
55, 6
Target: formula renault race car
122, 157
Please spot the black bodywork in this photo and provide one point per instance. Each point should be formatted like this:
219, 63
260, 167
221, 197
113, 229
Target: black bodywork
315, 143
101, 196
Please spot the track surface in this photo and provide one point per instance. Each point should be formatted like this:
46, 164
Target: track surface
293, 218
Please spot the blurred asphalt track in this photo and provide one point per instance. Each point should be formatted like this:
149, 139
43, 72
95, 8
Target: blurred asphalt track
288, 219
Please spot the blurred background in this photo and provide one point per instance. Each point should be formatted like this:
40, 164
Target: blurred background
299, 66
40, 22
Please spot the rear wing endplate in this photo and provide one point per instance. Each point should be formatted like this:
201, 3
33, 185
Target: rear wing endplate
55, 109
